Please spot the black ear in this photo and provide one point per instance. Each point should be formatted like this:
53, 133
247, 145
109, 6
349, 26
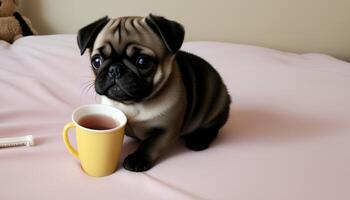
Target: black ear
171, 32
88, 34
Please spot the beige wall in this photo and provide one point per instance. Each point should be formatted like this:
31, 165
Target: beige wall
291, 25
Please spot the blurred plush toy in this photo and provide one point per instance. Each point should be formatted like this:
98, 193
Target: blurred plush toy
12, 24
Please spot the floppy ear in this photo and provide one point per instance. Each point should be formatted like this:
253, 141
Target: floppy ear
171, 32
88, 34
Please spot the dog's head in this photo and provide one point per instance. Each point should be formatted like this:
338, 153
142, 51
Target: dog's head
131, 57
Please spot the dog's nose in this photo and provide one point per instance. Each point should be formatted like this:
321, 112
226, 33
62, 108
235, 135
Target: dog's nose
115, 71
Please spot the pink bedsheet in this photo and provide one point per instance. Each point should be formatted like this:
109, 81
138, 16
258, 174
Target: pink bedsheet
288, 136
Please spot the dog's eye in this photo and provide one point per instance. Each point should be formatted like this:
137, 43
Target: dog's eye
96, 61
144, 62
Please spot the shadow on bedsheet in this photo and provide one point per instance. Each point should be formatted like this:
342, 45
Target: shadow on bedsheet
256, 125
262, 125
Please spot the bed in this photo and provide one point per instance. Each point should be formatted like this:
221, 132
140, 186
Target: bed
288, 135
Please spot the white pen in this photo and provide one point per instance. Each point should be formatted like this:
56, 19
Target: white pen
27, 140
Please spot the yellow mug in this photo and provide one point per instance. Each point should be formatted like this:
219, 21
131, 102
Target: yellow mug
98, 150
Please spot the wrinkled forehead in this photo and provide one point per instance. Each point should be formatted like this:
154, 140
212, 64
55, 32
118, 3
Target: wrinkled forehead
122, 32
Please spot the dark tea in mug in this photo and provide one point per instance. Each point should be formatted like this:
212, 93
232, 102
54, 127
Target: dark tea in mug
98, 122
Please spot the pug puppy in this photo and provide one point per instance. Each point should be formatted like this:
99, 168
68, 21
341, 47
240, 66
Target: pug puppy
164, 92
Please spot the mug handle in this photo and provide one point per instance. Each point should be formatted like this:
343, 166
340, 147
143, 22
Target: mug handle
66, 139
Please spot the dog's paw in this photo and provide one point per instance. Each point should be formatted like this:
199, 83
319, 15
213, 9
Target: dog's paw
137, 162
200, 139
196, 145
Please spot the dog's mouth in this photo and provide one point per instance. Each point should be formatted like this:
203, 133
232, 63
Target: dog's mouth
123, 90
116, 93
